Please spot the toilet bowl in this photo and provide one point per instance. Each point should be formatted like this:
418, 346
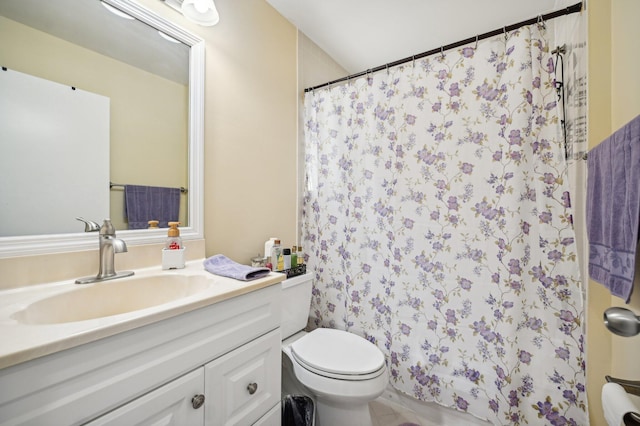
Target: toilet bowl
341, 371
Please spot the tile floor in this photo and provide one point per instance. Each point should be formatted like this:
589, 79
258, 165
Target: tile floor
384, 413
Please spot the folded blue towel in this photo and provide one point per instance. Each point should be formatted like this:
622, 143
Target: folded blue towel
222, 265
613, 209
145, 203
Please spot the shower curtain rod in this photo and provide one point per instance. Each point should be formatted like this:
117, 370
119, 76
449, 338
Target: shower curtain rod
540, 18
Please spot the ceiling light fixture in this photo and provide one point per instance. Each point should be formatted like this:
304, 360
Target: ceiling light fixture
116, 12
202, 12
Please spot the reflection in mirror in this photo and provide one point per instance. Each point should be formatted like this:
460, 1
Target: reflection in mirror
41, 120
153, 85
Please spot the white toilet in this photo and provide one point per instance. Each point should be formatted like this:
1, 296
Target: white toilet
342, 372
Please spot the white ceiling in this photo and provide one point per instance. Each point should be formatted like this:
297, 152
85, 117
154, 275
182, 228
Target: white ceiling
364, 34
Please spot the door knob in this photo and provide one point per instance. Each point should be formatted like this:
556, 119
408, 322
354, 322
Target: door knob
197, 401
252, 388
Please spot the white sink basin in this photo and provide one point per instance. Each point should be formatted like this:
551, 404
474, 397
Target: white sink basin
109, 298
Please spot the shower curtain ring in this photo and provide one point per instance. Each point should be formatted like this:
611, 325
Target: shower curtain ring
504, 30
442, 51
541, 23
413, 58
476, 47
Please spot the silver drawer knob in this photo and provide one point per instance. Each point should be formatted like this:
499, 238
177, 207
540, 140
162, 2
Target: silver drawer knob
197, 401
252, 388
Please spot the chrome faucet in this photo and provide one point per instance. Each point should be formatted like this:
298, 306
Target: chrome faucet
89, 225
109, 246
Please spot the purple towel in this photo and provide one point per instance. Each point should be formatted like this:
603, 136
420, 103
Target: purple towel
613, 209
145, 203
222, 265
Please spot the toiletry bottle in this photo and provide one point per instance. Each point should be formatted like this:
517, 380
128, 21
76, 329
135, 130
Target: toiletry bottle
276, 256
174, 242
268, 245
153, 224
300, 255
294, 256
286, 255
280, 266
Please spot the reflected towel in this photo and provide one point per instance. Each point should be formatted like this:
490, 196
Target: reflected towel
145, 203
222, 265
613, 209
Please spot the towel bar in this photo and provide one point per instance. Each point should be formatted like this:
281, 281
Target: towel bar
121, 185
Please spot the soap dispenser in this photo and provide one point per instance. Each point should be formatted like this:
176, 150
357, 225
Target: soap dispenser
173, 252
174, 242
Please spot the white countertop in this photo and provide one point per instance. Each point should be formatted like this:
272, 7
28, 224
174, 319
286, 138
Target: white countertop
20, 342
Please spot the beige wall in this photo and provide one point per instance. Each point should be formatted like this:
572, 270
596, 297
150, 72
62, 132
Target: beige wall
315, 67
625, 64
250, 129
614, 99
154, 158
599, 104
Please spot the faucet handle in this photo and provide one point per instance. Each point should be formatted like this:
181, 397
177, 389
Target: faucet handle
89, 225
107, 228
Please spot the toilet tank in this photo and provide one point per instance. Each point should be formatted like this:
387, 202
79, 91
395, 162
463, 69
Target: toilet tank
296, 302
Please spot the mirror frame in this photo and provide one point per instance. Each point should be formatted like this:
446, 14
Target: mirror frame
58, 243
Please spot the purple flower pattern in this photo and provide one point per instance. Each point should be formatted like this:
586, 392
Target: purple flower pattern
436, 221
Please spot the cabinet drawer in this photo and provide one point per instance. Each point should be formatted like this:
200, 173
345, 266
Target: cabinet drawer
244, 384
170, 405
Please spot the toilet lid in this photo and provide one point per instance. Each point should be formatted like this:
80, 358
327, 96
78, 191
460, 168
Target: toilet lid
338, 352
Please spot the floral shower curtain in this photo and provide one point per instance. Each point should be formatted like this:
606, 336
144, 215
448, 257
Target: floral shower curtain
437, 222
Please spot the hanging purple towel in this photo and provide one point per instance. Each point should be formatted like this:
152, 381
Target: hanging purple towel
145, 203
613, 209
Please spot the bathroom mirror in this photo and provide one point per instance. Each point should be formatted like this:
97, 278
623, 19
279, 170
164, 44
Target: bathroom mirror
142, 40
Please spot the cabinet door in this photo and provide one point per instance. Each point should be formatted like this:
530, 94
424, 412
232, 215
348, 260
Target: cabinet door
244, 384
169, 405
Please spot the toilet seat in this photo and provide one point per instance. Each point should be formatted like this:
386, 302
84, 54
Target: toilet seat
339, 355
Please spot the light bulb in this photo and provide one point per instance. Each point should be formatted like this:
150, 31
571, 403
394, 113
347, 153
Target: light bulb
201, 6
202, 12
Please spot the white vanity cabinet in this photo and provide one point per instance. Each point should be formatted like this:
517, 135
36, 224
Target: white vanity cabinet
228, 352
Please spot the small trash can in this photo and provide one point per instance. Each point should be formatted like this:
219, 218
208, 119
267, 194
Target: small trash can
297, 410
